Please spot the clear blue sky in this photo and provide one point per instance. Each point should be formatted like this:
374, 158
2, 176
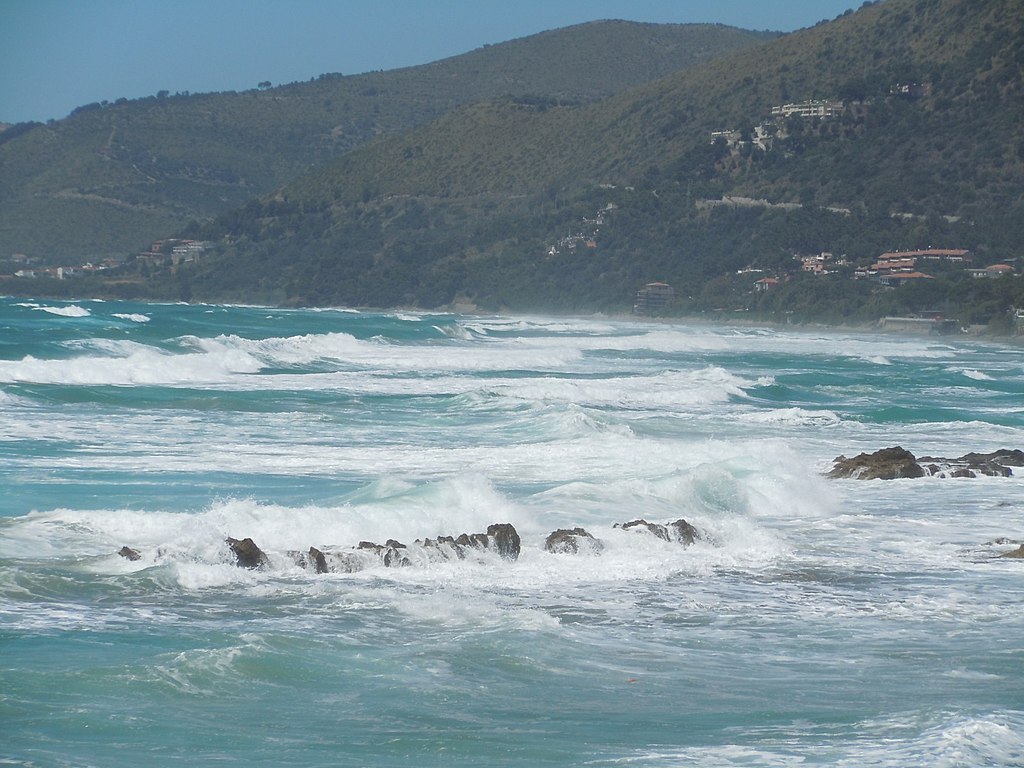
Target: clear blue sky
56, 55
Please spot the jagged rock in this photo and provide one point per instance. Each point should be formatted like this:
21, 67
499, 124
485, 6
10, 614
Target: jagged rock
1015, 553
896, 462
501, 538
885, 464
994, 464
129, 554
444, 547
505, 540
318, 561
679, 531
247, 554
572, 541
390, 553
684, 532
1007, 457
656, 529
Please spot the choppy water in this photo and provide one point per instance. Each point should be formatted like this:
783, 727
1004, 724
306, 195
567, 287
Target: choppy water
849, 623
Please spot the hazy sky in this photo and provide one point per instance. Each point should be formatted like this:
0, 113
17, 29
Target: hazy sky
56, 55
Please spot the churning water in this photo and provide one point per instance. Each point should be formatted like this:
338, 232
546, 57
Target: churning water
815, 622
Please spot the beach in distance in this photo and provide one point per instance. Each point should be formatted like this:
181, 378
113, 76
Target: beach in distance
314, 537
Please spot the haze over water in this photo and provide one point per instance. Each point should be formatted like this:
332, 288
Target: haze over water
816, 622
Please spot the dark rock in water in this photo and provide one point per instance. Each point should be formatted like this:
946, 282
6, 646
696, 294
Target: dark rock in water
442, 548
572, 541
1015, 553
995, 464
892, 463
886, 464
504, 538
1006, 457
247, 554
679, 531
317, 559
129, 553
684, 532
390, 554
501, 538
657, 529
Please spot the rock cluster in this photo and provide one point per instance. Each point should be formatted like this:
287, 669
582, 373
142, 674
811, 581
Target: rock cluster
680, 531
896, 462
578, 541
500, 539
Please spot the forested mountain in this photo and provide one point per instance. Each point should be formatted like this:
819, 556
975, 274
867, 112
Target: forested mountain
898, 126
113, 176
926, 148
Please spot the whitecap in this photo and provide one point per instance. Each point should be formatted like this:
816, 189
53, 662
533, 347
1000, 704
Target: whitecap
798, 417
970, 373
134, 317
128, 363
72, 310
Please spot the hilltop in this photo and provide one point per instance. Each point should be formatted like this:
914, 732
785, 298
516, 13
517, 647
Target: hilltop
113, 176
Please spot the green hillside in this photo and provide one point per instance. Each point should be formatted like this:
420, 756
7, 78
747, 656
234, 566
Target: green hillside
526, 203
472, 207
113, 176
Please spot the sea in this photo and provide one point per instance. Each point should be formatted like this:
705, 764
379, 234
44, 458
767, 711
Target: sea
814, 621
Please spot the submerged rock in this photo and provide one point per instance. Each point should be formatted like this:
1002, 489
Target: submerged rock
129, 554
500, 538
390, 554
575, 541
572, 541
683, 532
679, 531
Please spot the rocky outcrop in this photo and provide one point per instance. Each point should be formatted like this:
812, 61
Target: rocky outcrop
886, 464
247, 554
575, 541
994, 464
896, 462
680, 531
500, 539
317, 560
572, 541
504, 539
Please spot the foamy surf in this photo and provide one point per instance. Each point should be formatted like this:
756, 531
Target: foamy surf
811, 621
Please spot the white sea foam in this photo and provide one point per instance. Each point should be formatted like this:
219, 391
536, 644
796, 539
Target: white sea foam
793, 417
831, 601
129, 363
71, 310
134, 317
970, 373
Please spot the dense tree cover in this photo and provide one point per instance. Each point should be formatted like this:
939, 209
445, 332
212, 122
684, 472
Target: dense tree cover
112, 177
473, 206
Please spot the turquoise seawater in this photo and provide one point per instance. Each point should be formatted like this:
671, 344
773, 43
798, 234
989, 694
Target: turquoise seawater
816, 622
